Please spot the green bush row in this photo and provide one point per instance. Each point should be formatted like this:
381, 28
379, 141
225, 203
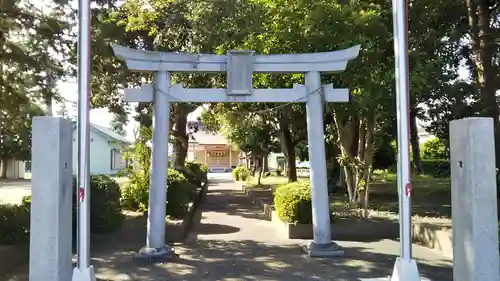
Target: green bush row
181, 189
105, 211
439, 168
241, 173
436, 168
293, 203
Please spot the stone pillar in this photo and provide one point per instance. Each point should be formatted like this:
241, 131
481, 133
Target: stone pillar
474, 200
155, 243
51, 199
206, 152
230, 157
322, 244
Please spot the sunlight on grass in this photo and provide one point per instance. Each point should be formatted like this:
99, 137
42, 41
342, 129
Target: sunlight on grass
423, 185
270, 182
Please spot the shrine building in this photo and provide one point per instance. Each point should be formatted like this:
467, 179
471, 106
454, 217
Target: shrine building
215, 151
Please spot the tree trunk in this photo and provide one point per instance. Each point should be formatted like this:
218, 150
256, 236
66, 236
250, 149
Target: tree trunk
258, 165
247, 160
367, 161
288, 149
483, 49
347, 130
3, 166
291, 167
181, 142
265, 163
254, 166
415, 144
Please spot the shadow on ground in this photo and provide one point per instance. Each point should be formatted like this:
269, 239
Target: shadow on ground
232, 203
217, 259
250, 260
212, 228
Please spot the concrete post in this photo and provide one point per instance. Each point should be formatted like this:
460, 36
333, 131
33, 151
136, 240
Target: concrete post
321, 245
155, 248
51, 199
474, 200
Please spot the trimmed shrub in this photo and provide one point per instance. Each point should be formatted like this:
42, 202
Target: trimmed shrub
436, 168
433, 149
14, 224
105, 210
136, 194
179, 192
293, 203
241, 173
189, 175
200, 172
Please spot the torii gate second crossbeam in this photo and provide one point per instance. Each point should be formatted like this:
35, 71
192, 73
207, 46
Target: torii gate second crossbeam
239, 66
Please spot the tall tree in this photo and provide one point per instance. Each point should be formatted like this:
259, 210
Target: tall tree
482, 14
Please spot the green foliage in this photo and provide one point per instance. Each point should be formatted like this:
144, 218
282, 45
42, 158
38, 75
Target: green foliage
106, 214
433, 149
118, 123
278, 172
384, 155
293, 203
241, 173
14, 224
34, 49
436, 167
333, 175
136, 193
179, 194
200, 172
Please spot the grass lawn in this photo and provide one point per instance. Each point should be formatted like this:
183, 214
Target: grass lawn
271, 182
430, 197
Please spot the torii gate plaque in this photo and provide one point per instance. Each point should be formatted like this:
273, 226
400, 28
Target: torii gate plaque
239, 65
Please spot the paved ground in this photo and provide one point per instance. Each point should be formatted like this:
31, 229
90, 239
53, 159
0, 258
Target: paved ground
13, 191
233, 242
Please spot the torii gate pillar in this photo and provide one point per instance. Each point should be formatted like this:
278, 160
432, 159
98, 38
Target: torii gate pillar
322, 244
239, 66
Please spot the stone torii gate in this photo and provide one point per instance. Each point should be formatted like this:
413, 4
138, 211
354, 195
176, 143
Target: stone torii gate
239, 65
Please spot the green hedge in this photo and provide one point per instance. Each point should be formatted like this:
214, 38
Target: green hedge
179, 193
105, 211
105, 208
437, 168
195, 173
14, 224
241, 173
293, 203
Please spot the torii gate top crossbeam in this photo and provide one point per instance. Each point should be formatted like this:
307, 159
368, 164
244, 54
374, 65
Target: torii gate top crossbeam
147, 61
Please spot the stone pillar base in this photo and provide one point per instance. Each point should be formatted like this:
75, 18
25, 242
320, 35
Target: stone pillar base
86, 274
403, 271
163, 254
323, 250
